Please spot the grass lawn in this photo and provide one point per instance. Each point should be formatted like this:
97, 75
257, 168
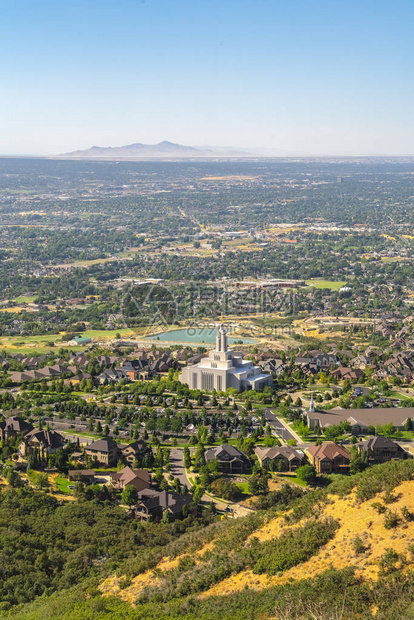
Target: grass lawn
407, 435
62, 485
108, 333
36, 350
23, 299
396, 394
244, 487
334, 285
286, 478
70, 431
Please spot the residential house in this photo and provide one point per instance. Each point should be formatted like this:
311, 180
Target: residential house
323, 361
113, 375
229, 458
152, 504
134, 451
361, 361
344, 372
280, 458
33, 362
87, 476
276, 366
133, 368
380, 449
329, 458
105, 451
14, 426
43, 441
138, 478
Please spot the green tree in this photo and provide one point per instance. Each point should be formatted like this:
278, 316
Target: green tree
306, 473
129, 495
258, 484
187, 458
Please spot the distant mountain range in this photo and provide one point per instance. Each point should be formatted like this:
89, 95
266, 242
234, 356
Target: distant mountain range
162, 150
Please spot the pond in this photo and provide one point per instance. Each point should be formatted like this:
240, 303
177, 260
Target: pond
201, 335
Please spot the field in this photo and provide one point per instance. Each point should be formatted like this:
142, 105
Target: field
25, 299
332, 285
43, 343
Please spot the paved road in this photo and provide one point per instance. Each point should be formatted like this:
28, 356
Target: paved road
177, 466
277, 425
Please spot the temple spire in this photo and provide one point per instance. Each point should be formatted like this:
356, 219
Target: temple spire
221, 339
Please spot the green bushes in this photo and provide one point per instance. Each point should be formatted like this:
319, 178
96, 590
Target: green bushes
226, 489
293, 547
359, 546
384, 477
279, 499
390, 562
391, 520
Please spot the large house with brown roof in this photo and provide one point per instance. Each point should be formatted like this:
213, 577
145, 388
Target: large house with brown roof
43, 441
344, 372
134, 451
13, 426
230, 460
152, 504
280, 458
105, 451
329, 458
381, 449
138, 478
87, 476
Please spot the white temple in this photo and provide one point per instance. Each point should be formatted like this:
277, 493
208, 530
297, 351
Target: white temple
223, 368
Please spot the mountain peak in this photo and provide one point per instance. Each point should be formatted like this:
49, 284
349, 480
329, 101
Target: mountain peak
161, 150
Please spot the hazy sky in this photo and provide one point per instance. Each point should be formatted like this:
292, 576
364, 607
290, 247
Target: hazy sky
302, 76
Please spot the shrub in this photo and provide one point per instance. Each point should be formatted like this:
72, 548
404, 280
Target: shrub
358, 545
293, 547
226, 489
389, 562
258, 484
390, 497
407, 514
391, 520
380, 508
384, 477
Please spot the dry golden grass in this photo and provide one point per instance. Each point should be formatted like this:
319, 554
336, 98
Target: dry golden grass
112, 585
13, 309
355, 519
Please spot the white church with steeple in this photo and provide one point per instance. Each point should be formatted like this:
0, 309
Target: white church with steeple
223, 368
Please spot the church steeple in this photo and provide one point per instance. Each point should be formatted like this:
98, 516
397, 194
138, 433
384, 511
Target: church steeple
312, 404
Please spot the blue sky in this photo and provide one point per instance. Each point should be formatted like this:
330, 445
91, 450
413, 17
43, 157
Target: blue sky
299, 76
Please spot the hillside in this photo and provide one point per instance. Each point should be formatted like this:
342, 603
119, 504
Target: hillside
361, 539
342, 552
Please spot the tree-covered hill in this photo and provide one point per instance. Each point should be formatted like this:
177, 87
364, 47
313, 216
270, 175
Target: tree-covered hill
341, 552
